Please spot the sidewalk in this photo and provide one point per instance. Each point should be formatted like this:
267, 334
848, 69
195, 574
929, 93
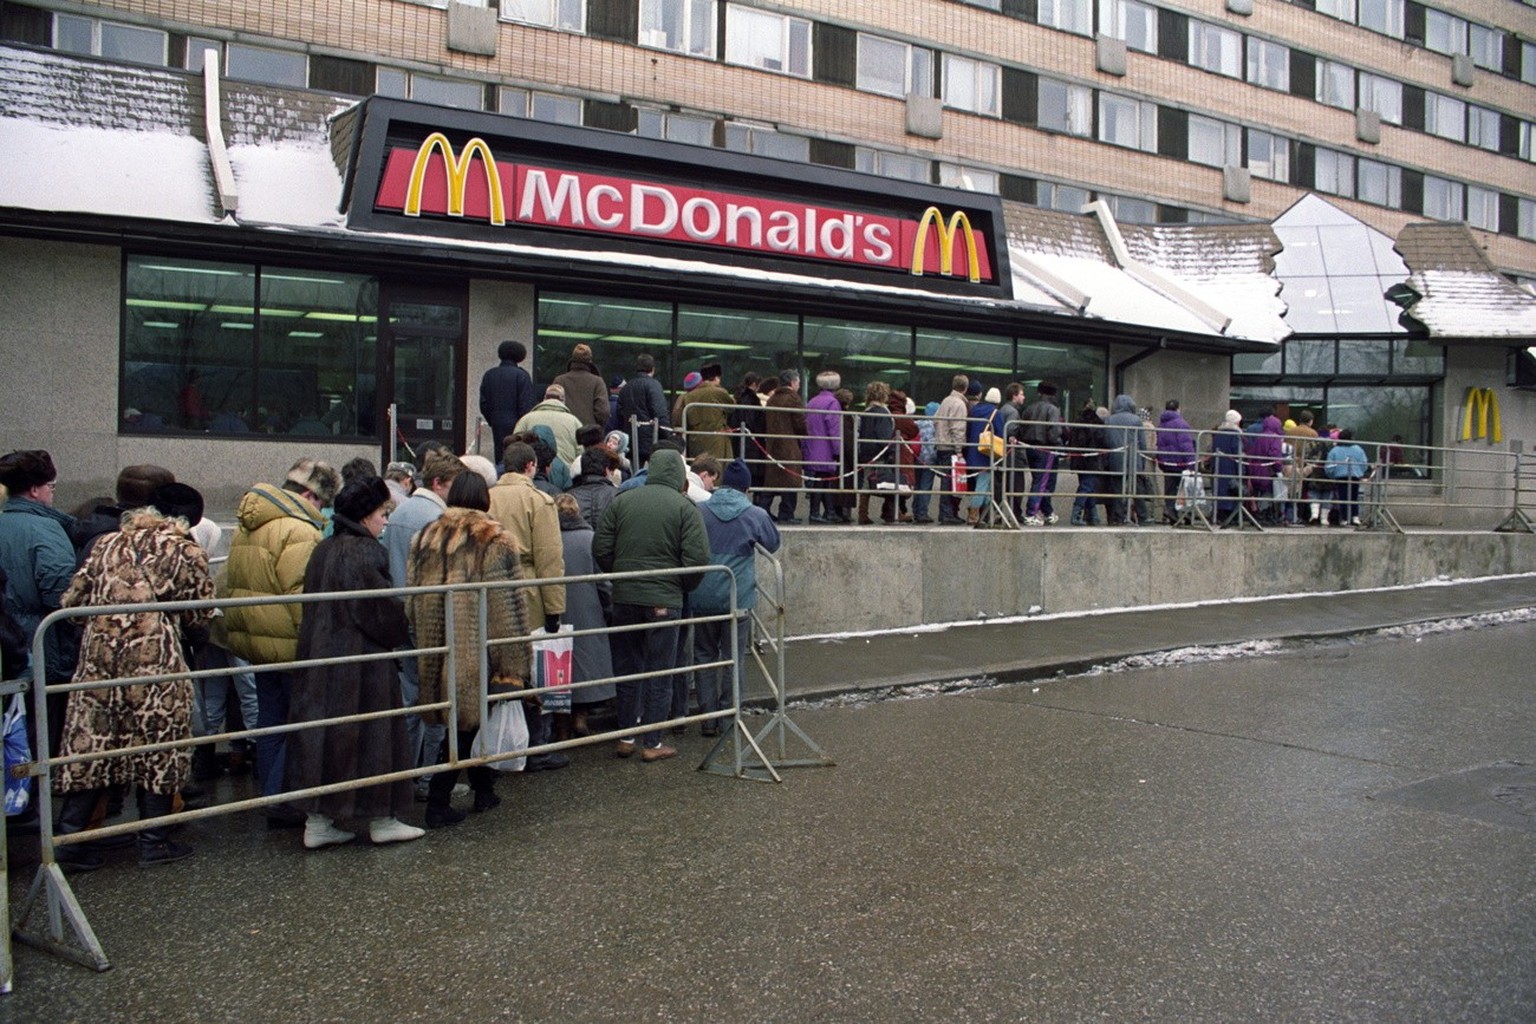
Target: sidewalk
1019, 650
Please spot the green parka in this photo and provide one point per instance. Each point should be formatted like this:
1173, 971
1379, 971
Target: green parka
653, 527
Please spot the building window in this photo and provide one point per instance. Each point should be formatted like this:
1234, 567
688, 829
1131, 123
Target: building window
1483, 128
1336, 84
569, 15
1127, 122
447, 92
991, 5
891, 165
1067, 198
1344, 10
1482, 208
1486, 46
765, 141
1065, 108
230, 348
1131, 21
1334, 173
1445, 117
682, 26
1380, 183
1382, 95
1528, 63
1131, 211
538, 106
972, 179
973, 85
1444, 33
1526, 149
893, 68
1384, 16
1443, 199
1525, 219
1215, 143
1269, 156
1269, 64
1067, 15
772, 42
1215, 48
675, 127
271, 67
96, 38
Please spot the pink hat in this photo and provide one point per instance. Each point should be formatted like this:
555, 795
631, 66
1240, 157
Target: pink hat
691, 381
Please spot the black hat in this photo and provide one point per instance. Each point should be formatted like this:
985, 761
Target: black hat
709, 371
360, 498
175, 500
737, 475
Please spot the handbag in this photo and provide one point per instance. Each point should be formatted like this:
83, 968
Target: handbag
990, 443
553, 668
18, 752
503, 732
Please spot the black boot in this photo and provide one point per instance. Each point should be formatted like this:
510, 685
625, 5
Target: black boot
440, 813
205, 764
75, 810
155, 844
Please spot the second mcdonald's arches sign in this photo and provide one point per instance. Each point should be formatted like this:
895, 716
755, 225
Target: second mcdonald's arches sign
531, 176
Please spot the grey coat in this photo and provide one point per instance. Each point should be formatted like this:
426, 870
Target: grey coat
584, 603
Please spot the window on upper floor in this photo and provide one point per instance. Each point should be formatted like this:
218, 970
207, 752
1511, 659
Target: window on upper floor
891, 165
1067, 15
447, 92
1486, 45
991, 5
1379, 183
1215, 143
1336, 84
1127, 122
682, 26
538, 106
1444, 33
263, 64
1445, 116
1216, 48
972, 179
1344, 10
1382, 95
1483, 128
1269, 64
1384, 16
1482, 208
893, 68
1269, 156
1444, 199
97, 38
974, 85
570, 15
1525, 219
1131, 211
1334, 173
1065, 108
772, 42
668, 124
766, 141
1067, 198
1526, 148
1131, 21
1528, 63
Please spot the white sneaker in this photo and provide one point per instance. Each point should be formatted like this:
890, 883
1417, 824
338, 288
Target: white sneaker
393, 830
1052, 519
1033, 521
321, 831
1355, 521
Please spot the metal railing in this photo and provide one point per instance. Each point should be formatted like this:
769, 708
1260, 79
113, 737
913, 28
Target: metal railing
50, 896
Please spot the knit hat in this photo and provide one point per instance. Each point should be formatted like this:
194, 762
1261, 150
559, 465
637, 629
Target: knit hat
481, 465
618, 440
361, 498
1233, 417
1102, 412
737, 476
175, 500
1289, 425
993, 396
691, 381
932, 408
319, 478
973, 389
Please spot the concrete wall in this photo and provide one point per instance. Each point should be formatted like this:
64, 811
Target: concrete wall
498, 311
1200, 383
850, 580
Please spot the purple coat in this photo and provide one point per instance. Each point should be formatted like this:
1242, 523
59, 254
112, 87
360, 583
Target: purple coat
824, 434
1265, 449
1175, 440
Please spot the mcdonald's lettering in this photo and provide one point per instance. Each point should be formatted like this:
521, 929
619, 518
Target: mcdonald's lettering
471, 184
1481, 409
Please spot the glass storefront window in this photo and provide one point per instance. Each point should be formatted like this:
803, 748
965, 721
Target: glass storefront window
942, 354
859, 352
1412, 357
202, 354
1358, 357
1079, 371
1310, 357
616, 330
741, 341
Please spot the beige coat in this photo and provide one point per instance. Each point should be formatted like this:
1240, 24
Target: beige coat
529, 516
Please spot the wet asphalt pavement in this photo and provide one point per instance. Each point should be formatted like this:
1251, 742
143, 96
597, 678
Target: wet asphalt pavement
1333, 829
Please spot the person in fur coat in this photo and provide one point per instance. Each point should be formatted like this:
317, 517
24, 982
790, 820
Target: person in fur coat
467, 546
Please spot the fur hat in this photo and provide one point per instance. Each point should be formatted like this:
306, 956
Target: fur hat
175, 500
1047, 388
361, 498
738, 476
993, 396
319, 478
710, 371
692, 381
582, 353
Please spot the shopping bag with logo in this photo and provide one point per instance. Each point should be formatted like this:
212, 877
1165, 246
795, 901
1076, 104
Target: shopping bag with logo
958, 481
18, 752
504, 731
553, 666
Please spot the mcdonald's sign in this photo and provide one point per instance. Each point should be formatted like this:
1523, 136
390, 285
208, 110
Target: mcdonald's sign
1481, 409
932, 222
456, 171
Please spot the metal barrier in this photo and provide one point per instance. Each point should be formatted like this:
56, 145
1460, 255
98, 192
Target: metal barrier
51, 897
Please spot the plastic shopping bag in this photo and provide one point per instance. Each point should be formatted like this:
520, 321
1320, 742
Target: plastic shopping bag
958, 480
18, 752
553, 667
505, 731
1191, 495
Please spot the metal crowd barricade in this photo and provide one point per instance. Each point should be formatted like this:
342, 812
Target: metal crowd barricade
50, 898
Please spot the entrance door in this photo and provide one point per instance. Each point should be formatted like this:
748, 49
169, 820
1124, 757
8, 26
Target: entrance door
423, 348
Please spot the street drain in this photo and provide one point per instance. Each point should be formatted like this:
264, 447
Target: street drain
1500, 794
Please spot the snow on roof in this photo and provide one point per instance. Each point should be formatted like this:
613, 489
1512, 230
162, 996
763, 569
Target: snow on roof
1456, 292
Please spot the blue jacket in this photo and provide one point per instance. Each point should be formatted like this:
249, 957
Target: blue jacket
734, 524
1346, 461
39, 562
506, 395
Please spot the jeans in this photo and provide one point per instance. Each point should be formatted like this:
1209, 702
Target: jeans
1042, 464
273, 690
644, 701
712, 642
1085, 507
422, 740
923, 491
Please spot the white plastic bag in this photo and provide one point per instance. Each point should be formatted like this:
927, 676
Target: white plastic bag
505, 731
1191, 494
553, 664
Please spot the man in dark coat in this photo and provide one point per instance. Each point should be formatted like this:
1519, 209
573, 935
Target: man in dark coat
506, 393
585, 393
785, 423
643, 401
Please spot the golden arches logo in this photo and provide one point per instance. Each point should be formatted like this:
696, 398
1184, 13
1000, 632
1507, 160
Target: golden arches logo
1481, 406
958, 221
457, 167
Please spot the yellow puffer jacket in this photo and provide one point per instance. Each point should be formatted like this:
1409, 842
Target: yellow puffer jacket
277, 532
